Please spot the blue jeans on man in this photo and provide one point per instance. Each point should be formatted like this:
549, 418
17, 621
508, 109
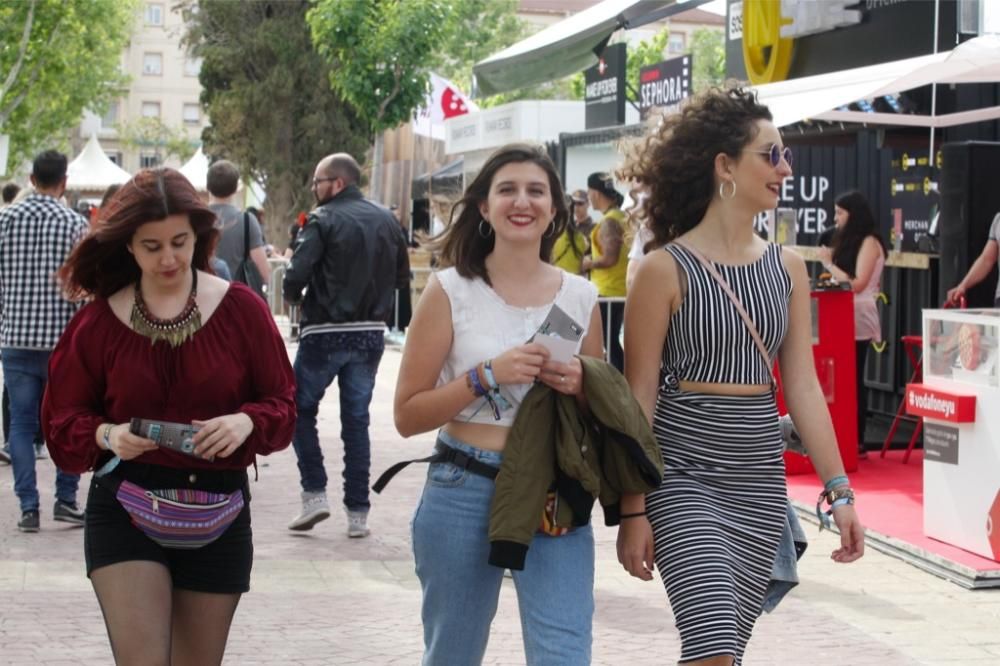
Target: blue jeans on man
25, 372
321, 358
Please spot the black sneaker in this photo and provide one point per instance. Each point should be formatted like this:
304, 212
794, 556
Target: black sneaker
5, 454
64, 512
29, 521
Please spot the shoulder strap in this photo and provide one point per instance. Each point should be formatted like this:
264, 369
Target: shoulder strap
246, 235
736, 303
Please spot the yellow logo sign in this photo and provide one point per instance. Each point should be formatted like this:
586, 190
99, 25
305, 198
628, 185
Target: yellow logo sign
769, 29
767, 55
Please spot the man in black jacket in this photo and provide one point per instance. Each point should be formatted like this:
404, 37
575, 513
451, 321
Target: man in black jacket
350, 258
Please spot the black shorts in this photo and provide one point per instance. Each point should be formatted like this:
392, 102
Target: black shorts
109, 537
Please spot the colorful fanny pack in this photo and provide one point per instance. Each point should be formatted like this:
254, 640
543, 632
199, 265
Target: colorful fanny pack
182, 518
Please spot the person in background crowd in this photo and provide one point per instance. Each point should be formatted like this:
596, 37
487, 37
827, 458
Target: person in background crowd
163, 339
571, 246
857, 256
608, 262
222, 181
36, 236
10, 191
497, 290
692, 361
352, 256
581, 212
981, 267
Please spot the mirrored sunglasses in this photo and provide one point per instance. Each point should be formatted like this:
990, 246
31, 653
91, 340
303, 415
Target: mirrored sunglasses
775, 154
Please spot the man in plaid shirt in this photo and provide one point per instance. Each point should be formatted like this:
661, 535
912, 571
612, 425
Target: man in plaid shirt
36, 237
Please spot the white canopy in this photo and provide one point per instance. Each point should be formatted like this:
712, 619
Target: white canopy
563, 48
196, 170
93, 169
818, 97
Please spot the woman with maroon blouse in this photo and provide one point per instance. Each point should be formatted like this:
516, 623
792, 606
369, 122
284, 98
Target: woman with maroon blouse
164, 339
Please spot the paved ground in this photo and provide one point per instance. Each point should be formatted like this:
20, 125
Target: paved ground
320, 598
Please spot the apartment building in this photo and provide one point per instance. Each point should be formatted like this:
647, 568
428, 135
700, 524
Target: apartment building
163, 85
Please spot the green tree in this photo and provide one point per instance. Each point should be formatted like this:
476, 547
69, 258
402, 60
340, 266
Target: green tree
153, 134
381, 51
268, 96
708, 58
57, 58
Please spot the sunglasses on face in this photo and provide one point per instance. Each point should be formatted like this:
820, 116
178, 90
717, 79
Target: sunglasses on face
775, 154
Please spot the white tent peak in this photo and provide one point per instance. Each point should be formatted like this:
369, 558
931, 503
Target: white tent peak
93, 169
196, 170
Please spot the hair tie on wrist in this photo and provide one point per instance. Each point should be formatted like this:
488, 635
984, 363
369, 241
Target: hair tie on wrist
631, 515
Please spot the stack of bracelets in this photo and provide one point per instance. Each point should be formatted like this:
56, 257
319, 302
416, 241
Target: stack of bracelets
836, 492
489, 390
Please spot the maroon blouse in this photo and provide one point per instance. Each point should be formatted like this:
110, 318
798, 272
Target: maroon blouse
102, 371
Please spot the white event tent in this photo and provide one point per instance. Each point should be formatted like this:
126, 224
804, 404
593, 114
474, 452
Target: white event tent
819, 97
196, 170
93, 170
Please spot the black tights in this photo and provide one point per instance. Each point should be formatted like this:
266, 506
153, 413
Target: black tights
860, 356
150, 622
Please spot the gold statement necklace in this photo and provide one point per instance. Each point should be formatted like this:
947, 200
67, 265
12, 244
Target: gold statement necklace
174, 331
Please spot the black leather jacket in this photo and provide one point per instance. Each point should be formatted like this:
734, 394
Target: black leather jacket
352, 256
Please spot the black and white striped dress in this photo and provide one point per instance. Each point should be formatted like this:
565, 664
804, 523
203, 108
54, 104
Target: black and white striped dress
718, 516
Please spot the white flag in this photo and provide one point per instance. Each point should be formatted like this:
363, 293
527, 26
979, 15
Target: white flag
444, 101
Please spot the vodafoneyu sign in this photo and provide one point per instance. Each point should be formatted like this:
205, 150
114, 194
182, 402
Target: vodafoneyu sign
769, 28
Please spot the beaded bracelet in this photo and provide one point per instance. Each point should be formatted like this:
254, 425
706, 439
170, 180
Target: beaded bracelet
841, 497
472, 381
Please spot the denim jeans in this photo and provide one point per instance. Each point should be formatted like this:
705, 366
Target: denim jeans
555, 591
24, 373
318, 362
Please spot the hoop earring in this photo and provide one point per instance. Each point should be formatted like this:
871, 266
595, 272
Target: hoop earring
722, 189
550, 230
489, 228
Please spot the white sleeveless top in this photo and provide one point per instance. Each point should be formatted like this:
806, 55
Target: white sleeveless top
485, 326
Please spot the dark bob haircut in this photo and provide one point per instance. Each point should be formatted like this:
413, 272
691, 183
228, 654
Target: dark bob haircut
101, 264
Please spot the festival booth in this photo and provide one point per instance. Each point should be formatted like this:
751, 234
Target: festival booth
92, 171
196, 171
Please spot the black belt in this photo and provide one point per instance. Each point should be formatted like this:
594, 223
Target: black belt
459, 459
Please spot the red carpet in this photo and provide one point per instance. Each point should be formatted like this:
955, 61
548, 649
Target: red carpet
890, 501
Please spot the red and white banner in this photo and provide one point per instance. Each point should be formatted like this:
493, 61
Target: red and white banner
445, 101
934, 403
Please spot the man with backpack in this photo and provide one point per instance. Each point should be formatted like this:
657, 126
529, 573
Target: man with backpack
241, 242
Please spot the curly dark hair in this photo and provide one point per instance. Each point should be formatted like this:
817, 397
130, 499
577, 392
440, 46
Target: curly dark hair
676, 159
462, 246
101, 264
860, 225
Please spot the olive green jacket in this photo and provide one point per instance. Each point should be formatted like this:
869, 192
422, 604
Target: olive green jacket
555, 445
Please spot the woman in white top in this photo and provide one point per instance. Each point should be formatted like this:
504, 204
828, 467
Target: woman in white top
857, 256
466, 366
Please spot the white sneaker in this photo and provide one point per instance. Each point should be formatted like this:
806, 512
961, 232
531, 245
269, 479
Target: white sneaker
315, 508
357, 524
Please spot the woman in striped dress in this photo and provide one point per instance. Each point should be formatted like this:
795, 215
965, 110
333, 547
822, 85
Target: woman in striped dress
714, 526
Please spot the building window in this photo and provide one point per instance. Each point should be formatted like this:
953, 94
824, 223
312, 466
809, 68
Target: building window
115, 156
154, 13
192, 114
149, 160
192, 66
110, 117
150, 109
676, 43
152, 64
